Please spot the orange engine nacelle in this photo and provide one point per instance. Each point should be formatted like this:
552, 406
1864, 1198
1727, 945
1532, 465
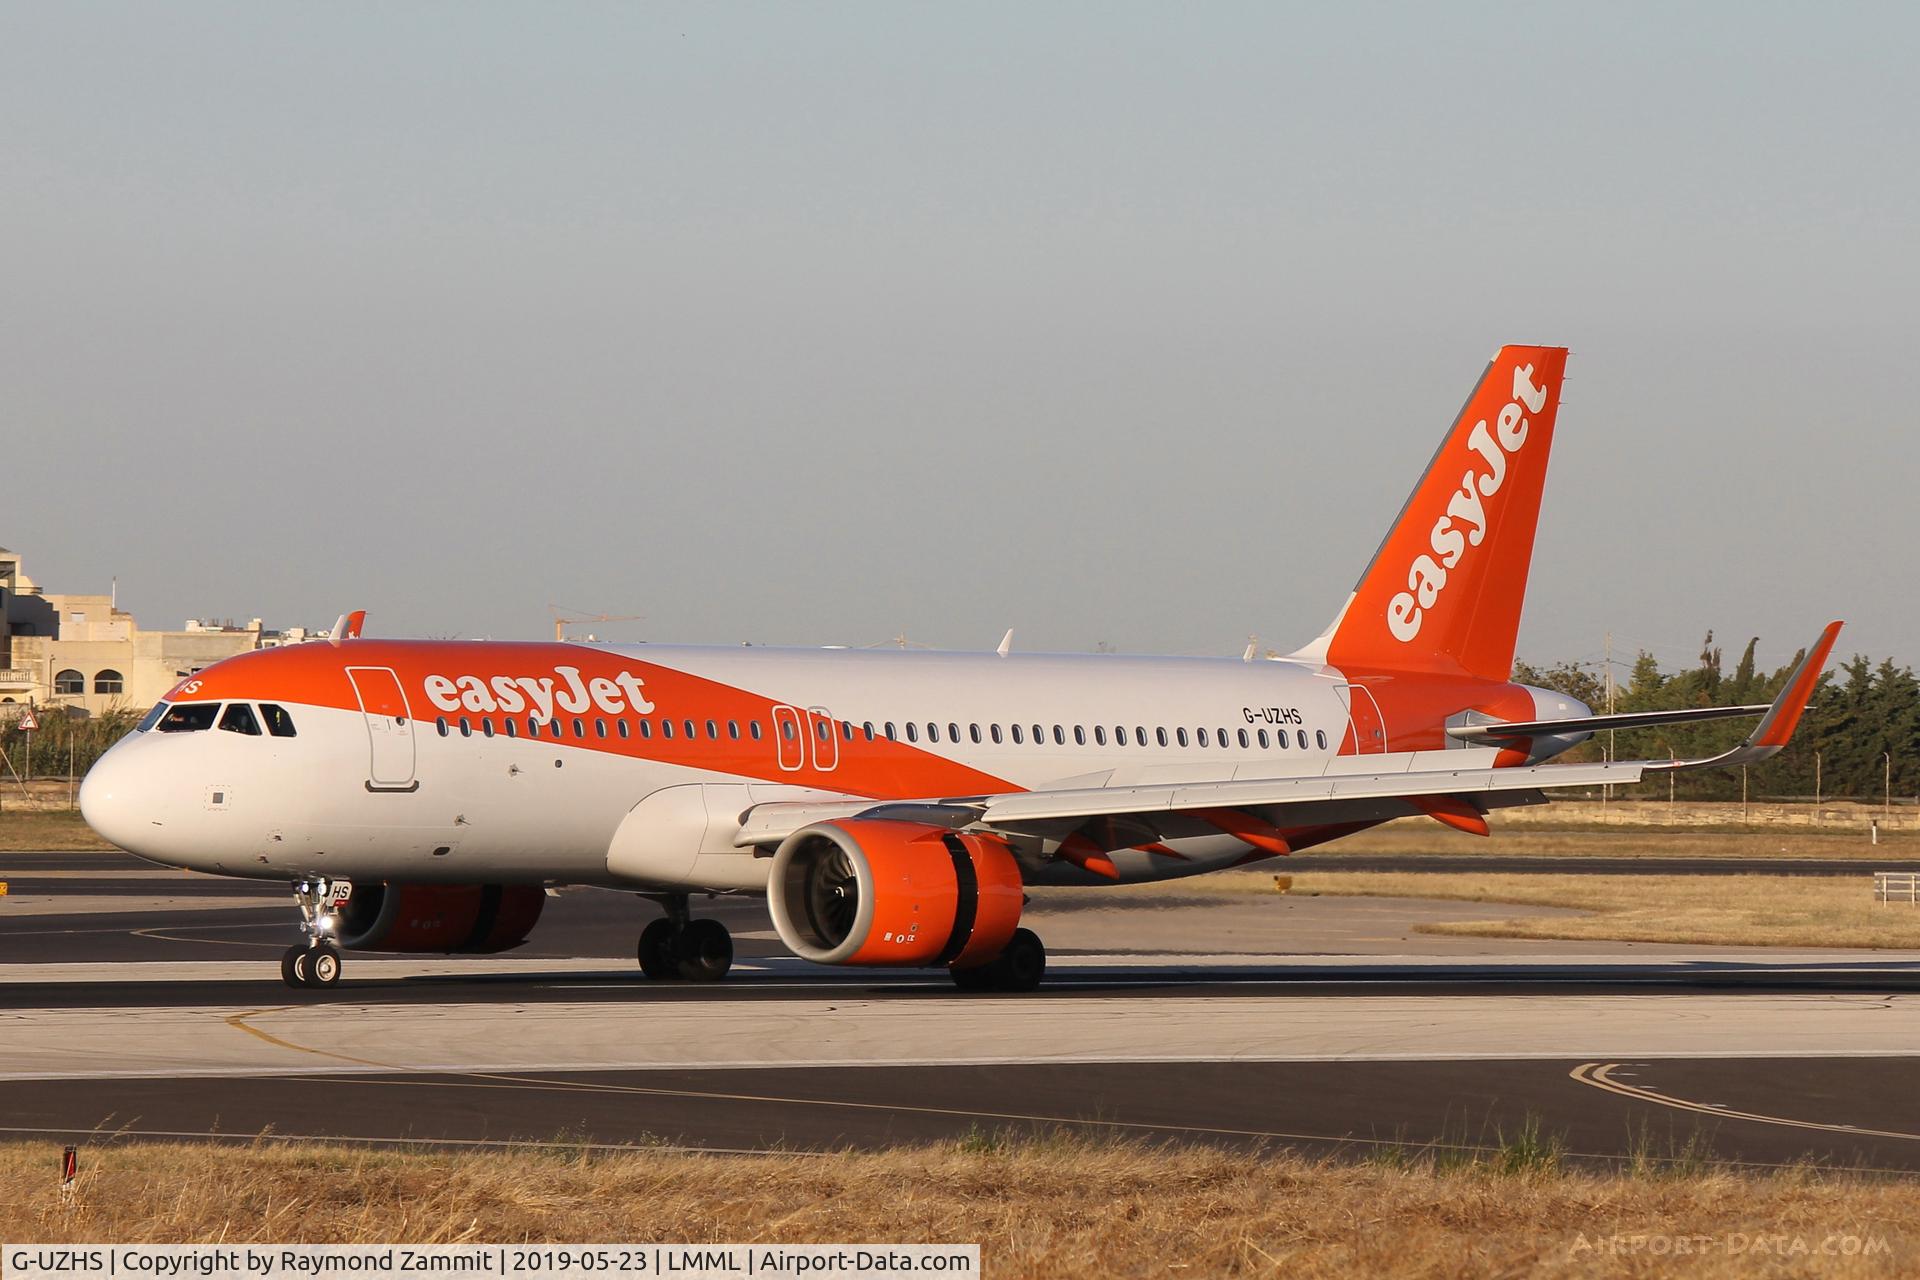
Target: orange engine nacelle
880, 891
472, 918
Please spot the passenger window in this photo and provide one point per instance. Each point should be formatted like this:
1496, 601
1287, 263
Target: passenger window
1059, 736
240, 719
973, 731
511, 726
733, 730
823, 730
713, 731
599, 728
867, 729
891, 736
1181, 734
579, 729
692, 733
189, 717
620, 726
1099, 735
933, 732
486, 726
646, 729
1302, 735
1280, 737
1320, 737
466, 730
1120, 734
913, 734
533, 727
994, 730
1243, 739
1160, 735
753, 730
953, 732
279, 723
1201, 734
1223, 738
846, 730
666, 727
440, 723
1080, 735
1263, 738
1018, 740
1140, 734
788, 730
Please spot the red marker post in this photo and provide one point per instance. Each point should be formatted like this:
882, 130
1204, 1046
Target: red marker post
69, 1167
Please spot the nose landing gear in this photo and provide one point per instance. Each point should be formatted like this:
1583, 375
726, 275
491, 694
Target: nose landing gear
316, 961
678, 946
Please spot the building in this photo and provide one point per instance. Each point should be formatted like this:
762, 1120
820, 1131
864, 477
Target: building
84, 653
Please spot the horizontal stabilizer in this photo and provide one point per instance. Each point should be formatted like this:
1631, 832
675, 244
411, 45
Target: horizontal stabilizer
1485, 733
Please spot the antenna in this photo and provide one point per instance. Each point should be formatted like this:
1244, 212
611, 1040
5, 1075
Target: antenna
1006, 643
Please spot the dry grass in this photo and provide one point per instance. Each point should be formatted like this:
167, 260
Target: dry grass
1759, 911
49, 830
1039, 1208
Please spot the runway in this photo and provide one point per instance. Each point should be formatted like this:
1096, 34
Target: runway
1318, 1024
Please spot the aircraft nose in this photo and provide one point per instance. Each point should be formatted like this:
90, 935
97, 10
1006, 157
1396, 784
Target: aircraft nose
117, 801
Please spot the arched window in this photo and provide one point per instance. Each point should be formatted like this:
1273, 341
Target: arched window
109, 681
69, 682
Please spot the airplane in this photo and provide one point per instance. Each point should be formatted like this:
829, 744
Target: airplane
893, 805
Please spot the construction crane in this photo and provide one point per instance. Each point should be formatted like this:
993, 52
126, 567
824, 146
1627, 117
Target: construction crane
564, 618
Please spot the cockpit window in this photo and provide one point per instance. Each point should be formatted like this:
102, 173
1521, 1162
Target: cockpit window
279, 723
188, 717
240, 719
151, 718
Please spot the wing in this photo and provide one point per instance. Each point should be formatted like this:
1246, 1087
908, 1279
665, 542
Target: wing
1457, 787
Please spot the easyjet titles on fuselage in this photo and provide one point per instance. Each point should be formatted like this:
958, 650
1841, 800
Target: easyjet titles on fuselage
565, 690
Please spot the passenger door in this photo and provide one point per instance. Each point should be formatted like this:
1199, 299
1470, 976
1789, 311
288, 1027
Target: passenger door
389, 728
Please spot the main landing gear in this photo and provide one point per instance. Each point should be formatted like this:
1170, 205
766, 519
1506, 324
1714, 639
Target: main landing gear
1018, 968
314, 962
678, 946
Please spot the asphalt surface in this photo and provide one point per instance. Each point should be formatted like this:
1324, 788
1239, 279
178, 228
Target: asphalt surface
1751, 1110
1844, 1111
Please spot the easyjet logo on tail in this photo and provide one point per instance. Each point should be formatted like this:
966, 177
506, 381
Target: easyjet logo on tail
1466, 520
564, 689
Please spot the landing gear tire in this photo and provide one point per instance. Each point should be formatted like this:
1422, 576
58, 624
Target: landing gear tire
323, 965
704, 951
1018, 968
293, 966
656, 951
1024, 962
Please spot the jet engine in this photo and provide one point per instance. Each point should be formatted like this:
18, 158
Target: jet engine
886, 892
444, 918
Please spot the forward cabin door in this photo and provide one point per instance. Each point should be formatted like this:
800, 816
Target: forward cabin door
389, 728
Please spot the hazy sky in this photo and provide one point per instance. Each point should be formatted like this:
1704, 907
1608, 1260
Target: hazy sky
820, 323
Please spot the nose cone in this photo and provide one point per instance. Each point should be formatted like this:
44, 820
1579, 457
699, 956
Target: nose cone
119, 802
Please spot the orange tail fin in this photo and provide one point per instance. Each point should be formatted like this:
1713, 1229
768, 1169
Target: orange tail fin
1444, 591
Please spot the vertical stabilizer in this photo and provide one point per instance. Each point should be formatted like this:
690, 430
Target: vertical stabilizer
1444, 591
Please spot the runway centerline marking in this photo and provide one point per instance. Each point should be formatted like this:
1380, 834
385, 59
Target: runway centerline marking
1600, 1076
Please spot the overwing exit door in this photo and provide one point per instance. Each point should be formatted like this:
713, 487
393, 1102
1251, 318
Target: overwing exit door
389, 728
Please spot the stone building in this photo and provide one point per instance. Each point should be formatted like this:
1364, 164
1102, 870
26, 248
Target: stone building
84, 653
